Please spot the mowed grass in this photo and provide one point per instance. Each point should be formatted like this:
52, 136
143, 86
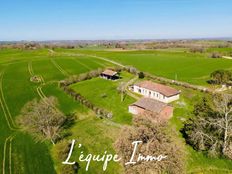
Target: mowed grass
96, 136
183, 66
103, 93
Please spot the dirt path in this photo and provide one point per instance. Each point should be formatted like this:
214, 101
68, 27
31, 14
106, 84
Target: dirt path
6, 111
128, 91
80, 63
30, 69
7, 151
226, 57
59, 68
98, 57
107, 60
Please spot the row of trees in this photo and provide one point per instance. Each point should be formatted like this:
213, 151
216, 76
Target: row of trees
64, 84
210, 130
81, 77
78, 97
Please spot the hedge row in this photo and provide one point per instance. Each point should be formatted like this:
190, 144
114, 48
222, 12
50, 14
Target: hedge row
65, 85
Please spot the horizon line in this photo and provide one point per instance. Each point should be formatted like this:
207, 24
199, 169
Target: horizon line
123, 39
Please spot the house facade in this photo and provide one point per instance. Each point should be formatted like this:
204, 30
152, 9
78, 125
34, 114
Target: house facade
156, 91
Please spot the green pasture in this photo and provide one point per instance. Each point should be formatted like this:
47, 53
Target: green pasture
103, 93
193, 68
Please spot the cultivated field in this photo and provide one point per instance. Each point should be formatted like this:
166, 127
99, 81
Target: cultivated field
194, 68
19, 152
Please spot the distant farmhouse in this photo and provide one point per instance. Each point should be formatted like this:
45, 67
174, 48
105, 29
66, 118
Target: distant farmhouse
156, 91
148, 105
109, 74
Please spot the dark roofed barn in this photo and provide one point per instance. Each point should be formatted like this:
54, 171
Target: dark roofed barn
109, 74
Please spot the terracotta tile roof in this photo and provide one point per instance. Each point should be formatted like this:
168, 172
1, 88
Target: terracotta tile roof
163, 89
109, 72
150, 104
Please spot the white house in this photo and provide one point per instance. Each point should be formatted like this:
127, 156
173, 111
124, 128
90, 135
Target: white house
156, 91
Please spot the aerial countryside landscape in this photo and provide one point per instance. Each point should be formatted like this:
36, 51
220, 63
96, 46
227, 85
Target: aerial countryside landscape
116, 87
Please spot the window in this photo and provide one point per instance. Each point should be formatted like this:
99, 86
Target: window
140, 91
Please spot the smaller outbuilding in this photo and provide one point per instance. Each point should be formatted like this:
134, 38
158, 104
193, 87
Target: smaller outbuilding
109, 75
148, 106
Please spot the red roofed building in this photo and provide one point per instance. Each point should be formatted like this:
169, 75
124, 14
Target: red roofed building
162, 111
156, 91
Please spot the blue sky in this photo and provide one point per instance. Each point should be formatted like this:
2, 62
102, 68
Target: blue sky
114, 19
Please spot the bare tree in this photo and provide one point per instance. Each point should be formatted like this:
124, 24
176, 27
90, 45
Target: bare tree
211, 129
42, 119
223, 104
155, 141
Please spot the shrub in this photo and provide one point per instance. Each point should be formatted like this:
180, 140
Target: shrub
141, 75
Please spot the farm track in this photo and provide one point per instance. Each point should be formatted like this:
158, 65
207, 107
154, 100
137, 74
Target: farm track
59, 67
82, 64
130, 82
44, 98
30, 69
7, 150
6, 111
107, 60
101, 64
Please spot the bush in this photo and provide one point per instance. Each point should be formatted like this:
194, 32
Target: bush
221, 76
141, 75
215, 55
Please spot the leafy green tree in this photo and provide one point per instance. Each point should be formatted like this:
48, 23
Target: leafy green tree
141, 75
211, 128
221, 76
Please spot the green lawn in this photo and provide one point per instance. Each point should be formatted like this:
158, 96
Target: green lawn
103, 93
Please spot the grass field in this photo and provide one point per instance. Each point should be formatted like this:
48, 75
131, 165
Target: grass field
193, 68
22, 155
104, 94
